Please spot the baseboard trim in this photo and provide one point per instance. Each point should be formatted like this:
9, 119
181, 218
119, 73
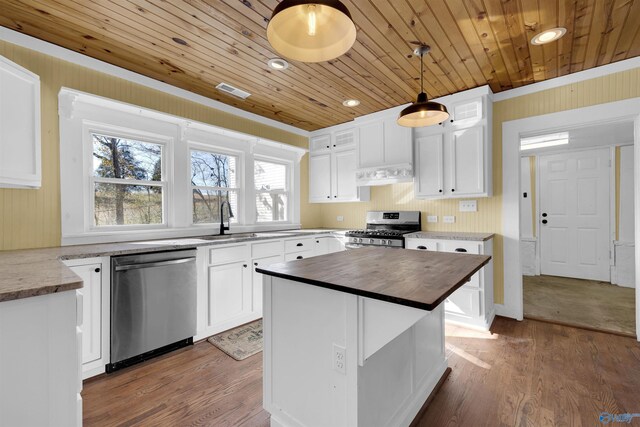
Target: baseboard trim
577, 326
423, 409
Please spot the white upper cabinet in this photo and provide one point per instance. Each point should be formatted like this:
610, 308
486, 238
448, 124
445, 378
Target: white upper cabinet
332, 167
453, 159
385, 149
19, 127
430, 155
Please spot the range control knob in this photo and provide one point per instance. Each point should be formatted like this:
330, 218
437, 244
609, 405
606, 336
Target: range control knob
372, 241
389, 242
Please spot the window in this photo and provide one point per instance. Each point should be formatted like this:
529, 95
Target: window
272, 193
128, 185
213, 181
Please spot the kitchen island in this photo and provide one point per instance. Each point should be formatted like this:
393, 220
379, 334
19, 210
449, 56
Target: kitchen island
356, 338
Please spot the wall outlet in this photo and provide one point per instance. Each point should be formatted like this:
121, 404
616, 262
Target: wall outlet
339, 218
432, 218
339, 359
448, 219
468, 206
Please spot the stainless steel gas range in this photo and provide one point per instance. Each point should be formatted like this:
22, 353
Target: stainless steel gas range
384, 228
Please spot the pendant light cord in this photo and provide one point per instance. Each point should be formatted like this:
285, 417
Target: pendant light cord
421, 73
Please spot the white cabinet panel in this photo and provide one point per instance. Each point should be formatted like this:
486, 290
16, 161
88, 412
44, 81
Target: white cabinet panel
467, 161
320, 178
344, 139
344, 184
256, 294
397, 142
299, 255
19, 127
430, 157
91, 326
422, 244
464, 303
299, 244
371, 141
320, 143
229, 292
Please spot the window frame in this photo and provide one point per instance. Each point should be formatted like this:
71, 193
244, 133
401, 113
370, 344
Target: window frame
135, 135
239, 214
288, 188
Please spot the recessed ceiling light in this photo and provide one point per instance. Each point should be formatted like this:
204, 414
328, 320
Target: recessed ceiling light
350, 102
278, 64
548, 36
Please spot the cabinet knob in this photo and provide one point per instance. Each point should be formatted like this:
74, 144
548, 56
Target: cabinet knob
244, 265
97, 270
453, 189
544, 215
335, 197
544, 221
422, 247
317, 241
299, 244
328, 197
255, 263
461, 250
334, 145
439, 191
327, 146
299, 257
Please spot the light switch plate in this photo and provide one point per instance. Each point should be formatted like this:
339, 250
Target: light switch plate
468, 206
339, 218
432, 218
449, 219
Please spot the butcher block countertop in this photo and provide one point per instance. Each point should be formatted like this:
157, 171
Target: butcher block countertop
33, 272
401, 276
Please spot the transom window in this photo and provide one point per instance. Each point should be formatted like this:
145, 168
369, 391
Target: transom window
272, 191
213, 181
128, 182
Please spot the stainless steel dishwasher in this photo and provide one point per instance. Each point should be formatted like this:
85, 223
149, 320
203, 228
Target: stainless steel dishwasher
153, 305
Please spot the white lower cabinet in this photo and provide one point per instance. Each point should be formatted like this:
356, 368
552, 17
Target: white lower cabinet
230, 289
39, 373
95, 298
472, 304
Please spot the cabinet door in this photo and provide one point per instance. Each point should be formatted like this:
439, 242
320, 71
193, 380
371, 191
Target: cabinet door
320, 178
398, 148
429, 171
467, 162
91, 275
19, 126
371, 145
344, 184
344, 139
320, 143
256, 293
229, 292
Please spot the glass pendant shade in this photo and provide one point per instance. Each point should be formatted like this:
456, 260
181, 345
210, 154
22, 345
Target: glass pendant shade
311, 32
423, 113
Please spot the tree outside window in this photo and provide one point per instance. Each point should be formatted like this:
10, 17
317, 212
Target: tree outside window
213, 181
272, 192
127, 180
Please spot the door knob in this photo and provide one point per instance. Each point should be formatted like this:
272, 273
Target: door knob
544, 215
544, 221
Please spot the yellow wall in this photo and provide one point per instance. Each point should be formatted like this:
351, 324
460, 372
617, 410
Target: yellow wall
613, 87
31, 218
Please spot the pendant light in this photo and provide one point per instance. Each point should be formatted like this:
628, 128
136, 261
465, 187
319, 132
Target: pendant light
423, 112
311, 31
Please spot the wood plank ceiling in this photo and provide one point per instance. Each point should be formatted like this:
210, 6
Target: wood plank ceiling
196, 44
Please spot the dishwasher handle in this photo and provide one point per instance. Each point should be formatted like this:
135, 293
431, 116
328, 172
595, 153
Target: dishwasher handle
154, 264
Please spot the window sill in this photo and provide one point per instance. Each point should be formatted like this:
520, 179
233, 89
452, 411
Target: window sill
171, 233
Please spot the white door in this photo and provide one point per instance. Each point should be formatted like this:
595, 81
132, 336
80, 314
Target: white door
320, 178
467, 162
344, 185
574, 214
429, 153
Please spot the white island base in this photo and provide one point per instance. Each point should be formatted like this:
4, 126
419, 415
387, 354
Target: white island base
333, 358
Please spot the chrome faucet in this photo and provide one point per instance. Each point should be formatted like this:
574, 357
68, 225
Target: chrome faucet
222, 226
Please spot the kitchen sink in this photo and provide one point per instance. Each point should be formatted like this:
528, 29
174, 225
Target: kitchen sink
229, 236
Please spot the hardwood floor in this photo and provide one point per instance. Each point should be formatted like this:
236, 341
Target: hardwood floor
582, 303
522, 373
